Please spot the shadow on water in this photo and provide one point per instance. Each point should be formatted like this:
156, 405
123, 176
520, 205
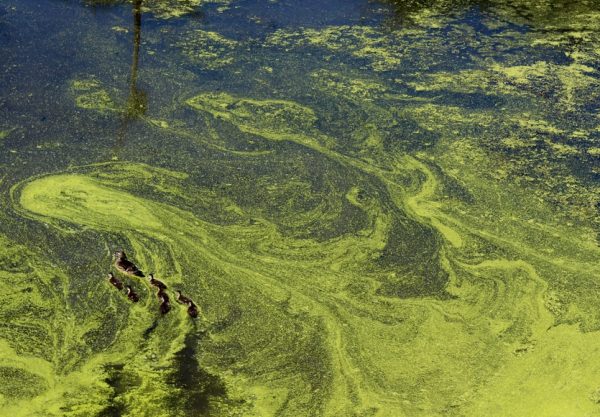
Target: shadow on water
121, 381
195, 389
196, 386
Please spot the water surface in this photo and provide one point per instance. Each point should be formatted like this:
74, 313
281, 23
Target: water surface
381, 208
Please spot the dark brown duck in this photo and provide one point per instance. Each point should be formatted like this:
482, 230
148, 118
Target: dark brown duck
156, 283
163, 297
192, 310
182, 299
125, 266
165, 304
133, 297
164, 307
114, 281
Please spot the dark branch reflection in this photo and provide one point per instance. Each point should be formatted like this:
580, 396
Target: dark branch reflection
137, 100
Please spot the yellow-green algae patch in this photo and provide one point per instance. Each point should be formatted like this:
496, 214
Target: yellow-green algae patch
91, 95
273, 119
42, 340
366, 346
436, 258
211, 49
574, 79
360, 41
562, 256
557, 362
144, 352
339, 84
335, 293
539, 80
527, 256
171, 9
474, 261
384, 50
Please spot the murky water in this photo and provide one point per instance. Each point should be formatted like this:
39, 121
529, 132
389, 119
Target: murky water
379, 208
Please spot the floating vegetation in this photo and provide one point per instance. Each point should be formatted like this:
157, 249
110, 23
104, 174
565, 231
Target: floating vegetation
339, 84
395, 219
162, 9
360, 41
210, 49
270, 118
170, 9
89, 94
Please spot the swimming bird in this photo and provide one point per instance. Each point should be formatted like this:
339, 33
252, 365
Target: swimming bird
165, 304
182, 299
165, 307
156, 283
126, 266
132, 295
114, 281
162, 295
192, 309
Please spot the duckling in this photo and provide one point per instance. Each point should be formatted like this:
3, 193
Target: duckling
162, 295
182, 299
126, 266
133, 297
192, 309
114, 281
156, 283
165, 308
165, 304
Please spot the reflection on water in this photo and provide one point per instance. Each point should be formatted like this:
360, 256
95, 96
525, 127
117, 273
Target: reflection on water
381, 208
137, 101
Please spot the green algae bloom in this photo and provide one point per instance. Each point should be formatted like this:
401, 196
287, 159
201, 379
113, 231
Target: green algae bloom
395, 219
210, 49
89, 94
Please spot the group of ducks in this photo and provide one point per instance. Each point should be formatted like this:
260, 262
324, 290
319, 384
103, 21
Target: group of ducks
125, 266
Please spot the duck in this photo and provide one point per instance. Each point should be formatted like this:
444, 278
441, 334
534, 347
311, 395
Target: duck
165, 304
165, 308
182, 299
125, 266
162, 295
114, 281
156, 283
192, 309
133, 297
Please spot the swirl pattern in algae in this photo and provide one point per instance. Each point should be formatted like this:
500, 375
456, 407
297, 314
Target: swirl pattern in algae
420, 240
421, 304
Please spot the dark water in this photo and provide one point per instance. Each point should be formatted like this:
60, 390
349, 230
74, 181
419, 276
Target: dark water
380, 208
